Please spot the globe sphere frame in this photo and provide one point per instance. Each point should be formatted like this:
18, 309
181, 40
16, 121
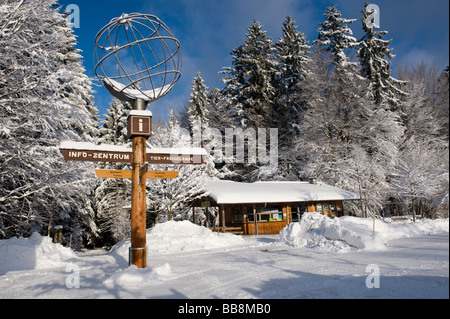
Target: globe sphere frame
137, 58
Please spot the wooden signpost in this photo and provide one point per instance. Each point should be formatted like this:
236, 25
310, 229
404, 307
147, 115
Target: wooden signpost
152, 82
139, 130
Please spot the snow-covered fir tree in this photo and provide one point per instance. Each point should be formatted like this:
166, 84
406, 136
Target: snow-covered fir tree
350, 142
220, 117
336, 36
112, 194
114, 125
373, 54
250, 82
294, 69
198, 112
336, 91
219, 110
45, 98
250, 90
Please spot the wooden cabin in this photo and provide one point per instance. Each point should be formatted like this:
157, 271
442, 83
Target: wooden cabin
267, 207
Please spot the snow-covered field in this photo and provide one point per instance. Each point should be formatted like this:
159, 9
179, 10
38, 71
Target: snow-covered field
316, 258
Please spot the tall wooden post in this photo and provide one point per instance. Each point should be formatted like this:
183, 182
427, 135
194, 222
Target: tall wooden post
138, 255
139, 134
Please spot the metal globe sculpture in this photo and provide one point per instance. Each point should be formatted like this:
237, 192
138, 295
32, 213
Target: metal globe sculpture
137, 57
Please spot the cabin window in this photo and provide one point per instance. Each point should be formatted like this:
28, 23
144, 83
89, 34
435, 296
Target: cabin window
237, 214
266, 213
330, 209
297, 211
326, 206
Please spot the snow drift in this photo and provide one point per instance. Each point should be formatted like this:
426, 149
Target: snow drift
342, 234
36, 252
182, 236
133, 277
167, 238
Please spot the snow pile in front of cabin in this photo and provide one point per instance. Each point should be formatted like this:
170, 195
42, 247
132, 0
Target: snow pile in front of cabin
36, 252
182, 236
342, 234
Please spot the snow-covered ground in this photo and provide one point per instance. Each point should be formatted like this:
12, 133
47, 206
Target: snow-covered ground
316, 258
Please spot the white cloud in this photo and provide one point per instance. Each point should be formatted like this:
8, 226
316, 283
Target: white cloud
416, 56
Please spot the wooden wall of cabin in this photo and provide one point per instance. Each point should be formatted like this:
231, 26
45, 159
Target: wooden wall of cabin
264, 227
241, 215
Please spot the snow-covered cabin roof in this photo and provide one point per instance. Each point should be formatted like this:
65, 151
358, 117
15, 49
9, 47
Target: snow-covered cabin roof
229, 192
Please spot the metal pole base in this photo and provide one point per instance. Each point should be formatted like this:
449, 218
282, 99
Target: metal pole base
138, 256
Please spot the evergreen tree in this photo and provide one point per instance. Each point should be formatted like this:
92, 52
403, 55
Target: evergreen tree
372, 54
219, 110
112, 194
250, 83
293, 70
336, 36
115, 126
220, 117
198, 112
45, 98
337, 89
293, 58
250, 91
338, 84
350, 142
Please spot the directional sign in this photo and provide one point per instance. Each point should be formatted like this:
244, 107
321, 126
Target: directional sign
161, 158
73, 151
106, 173
161, 174
96, 156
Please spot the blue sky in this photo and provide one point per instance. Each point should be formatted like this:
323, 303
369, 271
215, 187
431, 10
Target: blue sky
209, 29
